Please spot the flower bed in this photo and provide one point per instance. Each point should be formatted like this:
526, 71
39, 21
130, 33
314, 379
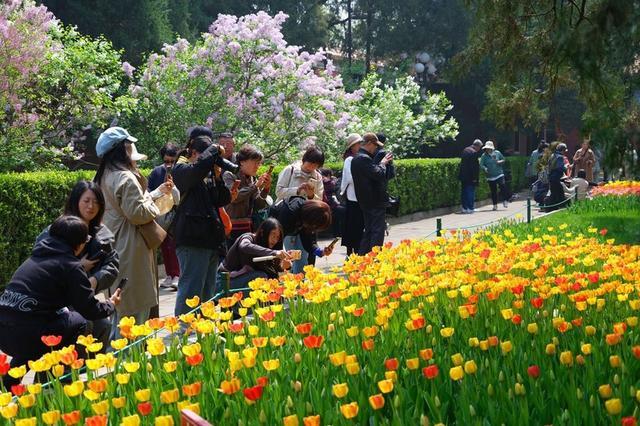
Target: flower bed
618, 188
489, 328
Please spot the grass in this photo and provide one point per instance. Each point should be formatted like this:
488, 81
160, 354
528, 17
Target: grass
620, 216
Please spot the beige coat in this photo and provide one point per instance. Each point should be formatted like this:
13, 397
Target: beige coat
291, 177
584, 159
128, 205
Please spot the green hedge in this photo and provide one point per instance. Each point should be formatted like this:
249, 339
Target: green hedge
30, 201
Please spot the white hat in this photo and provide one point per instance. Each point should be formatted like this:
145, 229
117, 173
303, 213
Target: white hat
135, 155
488, 145
353, 139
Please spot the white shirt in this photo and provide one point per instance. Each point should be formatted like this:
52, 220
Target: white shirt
347, 181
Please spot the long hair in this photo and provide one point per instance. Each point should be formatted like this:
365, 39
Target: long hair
116, 159
264, 230
198, 144
71, 207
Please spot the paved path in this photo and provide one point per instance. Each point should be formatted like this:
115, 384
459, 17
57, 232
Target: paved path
410, 228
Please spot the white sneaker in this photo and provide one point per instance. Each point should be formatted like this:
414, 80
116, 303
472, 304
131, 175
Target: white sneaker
166, 283
495, 207
464, 211
505, 203
174, 283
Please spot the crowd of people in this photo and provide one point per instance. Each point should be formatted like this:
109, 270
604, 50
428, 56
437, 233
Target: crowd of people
207, 209
554, 179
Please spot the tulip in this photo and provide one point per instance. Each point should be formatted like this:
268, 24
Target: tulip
533, 371
31, 421
100, 408
51, 417
457, 359
447, 332
385, 386
550, 349
426, 354
614, 361
353, 368
272, 364
195, 359
133, 420
340, 390
193, 302
532, 328
230, 387
456, 373
170, 366
100, 420
605, 391
254, 393
413, 363
350, 410
470, 367
34, 388
74, 389
51, 341
613, 406
118, 402
192, 389
304, 328
430, 372
144, 408
313, 341
164, 421
170, 396
143, 395
131, 367
566, 358
506, 347
376, 401
18, 372
291, 420
337, 359
311, 421
71, 418
368, 344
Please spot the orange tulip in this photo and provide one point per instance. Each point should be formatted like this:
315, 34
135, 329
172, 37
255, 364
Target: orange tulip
192, 389
376, 401
304, 328
230, 387
368, 344
51, 341
71, 418
311, 421
313, 341
349, 411
96, 421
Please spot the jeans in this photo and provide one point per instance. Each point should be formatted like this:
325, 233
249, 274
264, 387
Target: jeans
198, 273
468, 195
293, 242
493, 186
242, 281
374, 228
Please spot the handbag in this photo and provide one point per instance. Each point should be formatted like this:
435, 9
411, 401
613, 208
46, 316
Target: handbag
393, 206
152, 234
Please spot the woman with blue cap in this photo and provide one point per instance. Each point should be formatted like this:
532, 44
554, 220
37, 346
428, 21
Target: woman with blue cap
129, 206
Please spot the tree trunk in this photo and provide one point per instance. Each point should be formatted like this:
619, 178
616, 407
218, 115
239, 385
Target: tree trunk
367, 58
349, 34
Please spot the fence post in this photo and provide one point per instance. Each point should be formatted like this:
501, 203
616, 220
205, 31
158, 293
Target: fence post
575, 200
439, 227
227, 283
528, 209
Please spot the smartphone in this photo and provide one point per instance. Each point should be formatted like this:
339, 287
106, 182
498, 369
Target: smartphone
333, 243
236, 185
169, 173
99, 255
123, 283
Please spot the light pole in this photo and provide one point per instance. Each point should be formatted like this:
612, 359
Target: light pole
425, 69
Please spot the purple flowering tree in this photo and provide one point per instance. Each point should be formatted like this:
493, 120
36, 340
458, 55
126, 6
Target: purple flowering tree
242, 77
55, 84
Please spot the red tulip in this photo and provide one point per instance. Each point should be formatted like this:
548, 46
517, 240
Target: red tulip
368, 344
533, 371
516, 319
304, 328
636, 351
268, 316
51, 341
603, 231
517, 289
536, 302
195, 359
629, 421
144, 408
358, 312
4, 368
313, 341
236, 327
391, 364
96, 421
254, 393
594, 277
18, 390
262, 381
430, 372
71, 418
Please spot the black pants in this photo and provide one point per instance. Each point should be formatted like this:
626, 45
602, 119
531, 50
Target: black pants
504, 193
557, 195
22, 340
374, 227
352, 227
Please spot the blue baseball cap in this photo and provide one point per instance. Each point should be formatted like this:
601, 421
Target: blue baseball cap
110, 138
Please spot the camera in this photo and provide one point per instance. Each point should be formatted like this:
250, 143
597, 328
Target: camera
226, 165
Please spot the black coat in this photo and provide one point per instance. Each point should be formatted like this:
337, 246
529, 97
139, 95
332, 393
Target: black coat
197, 222
51, 279
289, 214
469, 172
369, 181
390, 170
101, 247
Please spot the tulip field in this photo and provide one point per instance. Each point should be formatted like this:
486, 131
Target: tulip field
490, 328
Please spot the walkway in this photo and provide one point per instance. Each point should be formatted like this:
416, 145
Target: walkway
408, 227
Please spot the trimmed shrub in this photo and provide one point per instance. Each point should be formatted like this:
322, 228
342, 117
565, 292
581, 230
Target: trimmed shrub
31, 201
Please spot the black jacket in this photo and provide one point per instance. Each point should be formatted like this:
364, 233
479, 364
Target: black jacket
197, 222
51, 279
289, 214
101, 247
469, 172
369, 181
390, 170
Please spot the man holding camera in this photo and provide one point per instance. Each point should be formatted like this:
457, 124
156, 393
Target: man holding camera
369, 182
198, 229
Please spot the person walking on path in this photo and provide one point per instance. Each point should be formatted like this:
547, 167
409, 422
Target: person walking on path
369, 180
169, 154
468, 175
198, 229
584, 159
129, 205
491, 162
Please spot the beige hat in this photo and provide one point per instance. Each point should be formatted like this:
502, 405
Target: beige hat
371, 138
135, 155
353, 139
488, 145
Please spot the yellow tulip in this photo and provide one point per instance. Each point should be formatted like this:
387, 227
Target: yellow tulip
385, 386
193, 302
566, 358
91, 395
94, 347
164, 421
470, 367
532, 328
5, 398
291, 420
170, 366
9, 411
614, 361
353, 331
170, 396
131, 367
32, 421
18, 372
27, 400
605, 391
353, 368
349, 411
122, 378
93, 364
613, 406
590, 330
413, 363
155, 346
447, 332
337, 358
586, 348
73, 389
249, 362
119, 402
239, 340
143, 395
456, 373
550, 349
271, 364
391, 375
51, 417
34, 388
457, 359
340, 390
131, 421
119, 344
100, 408
506, 347
192, 349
